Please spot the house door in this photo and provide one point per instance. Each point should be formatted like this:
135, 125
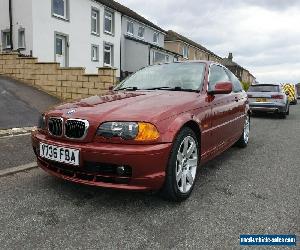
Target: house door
61, 50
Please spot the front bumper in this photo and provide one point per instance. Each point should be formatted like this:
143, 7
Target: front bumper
268, 107
147, 164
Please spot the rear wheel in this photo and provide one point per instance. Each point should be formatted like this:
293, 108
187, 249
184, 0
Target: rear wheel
282, 115
244, 139
182, 166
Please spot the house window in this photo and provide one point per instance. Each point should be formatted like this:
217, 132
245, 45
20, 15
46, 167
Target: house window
185, 51
95, 53
6, 40
108, 22
159, 57
155, 38
130, 28
95, 21
141, 32
21, 39
60, 8
108, 54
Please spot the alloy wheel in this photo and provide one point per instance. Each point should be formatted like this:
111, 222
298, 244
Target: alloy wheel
247, 129
186, 164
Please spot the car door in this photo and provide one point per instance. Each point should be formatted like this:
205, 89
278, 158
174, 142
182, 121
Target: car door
222, 109
240, 99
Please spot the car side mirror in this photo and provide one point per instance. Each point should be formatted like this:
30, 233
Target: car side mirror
221, 88
287, 93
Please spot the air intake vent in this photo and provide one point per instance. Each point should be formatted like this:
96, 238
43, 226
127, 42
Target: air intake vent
55, 126
76, 129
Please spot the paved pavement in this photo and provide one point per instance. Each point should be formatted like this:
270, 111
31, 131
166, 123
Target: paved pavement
254, 190
20, 104
15, 151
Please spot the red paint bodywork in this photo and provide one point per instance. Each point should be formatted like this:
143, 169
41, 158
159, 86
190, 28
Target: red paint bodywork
219, 118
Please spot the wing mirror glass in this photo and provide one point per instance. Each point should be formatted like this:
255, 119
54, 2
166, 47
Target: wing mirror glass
221, 88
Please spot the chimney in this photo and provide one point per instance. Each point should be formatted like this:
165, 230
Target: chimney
230, 56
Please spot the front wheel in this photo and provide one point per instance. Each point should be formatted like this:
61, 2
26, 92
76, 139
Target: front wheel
182, 166
244, 139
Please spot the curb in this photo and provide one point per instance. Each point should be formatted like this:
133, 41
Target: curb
14, 170
16, 131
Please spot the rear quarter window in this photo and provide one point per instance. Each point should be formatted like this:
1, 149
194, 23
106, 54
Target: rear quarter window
237, 86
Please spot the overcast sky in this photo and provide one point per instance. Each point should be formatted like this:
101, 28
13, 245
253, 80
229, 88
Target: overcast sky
263, 35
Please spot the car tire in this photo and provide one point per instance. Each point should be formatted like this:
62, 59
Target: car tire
283, 115
244, 139
182, 167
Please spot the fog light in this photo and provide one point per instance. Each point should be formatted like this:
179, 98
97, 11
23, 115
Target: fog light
120, 170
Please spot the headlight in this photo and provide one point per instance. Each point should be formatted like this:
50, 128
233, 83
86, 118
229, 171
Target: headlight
138, 131
42, 122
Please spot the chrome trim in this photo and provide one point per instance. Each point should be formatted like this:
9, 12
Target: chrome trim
62, 126
86, 123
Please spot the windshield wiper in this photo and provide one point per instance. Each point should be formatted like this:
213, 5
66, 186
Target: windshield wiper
129, 88
177, 88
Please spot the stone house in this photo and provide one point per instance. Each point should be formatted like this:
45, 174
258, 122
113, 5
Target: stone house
188, 49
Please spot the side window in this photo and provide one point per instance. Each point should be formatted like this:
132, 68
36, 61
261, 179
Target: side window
217, 74
237, 86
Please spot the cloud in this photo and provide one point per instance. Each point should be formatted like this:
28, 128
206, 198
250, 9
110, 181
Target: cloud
262, 34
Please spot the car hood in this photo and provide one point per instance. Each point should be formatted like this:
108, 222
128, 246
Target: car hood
148, 106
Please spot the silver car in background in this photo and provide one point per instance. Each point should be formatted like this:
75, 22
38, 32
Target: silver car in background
268, 98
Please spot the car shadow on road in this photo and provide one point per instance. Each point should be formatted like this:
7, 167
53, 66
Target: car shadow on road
266, 116
82, 195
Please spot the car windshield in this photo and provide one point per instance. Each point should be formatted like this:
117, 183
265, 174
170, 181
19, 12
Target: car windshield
264, 88
173, 76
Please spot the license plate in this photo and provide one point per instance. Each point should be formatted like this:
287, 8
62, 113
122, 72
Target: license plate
261, 99
60, 154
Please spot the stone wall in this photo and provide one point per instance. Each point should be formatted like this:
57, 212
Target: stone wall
65, 83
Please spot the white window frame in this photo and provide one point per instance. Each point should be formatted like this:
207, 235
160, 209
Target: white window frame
185, 48
96, 19
155, 34
23, 45
66, 10
110, 50
130, 23
95, 48
162, 55
143, 28
110, 16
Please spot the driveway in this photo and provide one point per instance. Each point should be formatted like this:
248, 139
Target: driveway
244, 191
21, 104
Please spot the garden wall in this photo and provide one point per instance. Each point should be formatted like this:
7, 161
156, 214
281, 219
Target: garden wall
65, 83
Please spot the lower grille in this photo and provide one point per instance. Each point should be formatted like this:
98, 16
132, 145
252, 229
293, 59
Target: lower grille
76, 129
55, 126
90, 172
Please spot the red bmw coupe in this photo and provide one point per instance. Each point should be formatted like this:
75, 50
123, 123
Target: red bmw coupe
152, 132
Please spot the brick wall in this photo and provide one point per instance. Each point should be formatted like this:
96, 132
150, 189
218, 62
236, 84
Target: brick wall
65, 83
